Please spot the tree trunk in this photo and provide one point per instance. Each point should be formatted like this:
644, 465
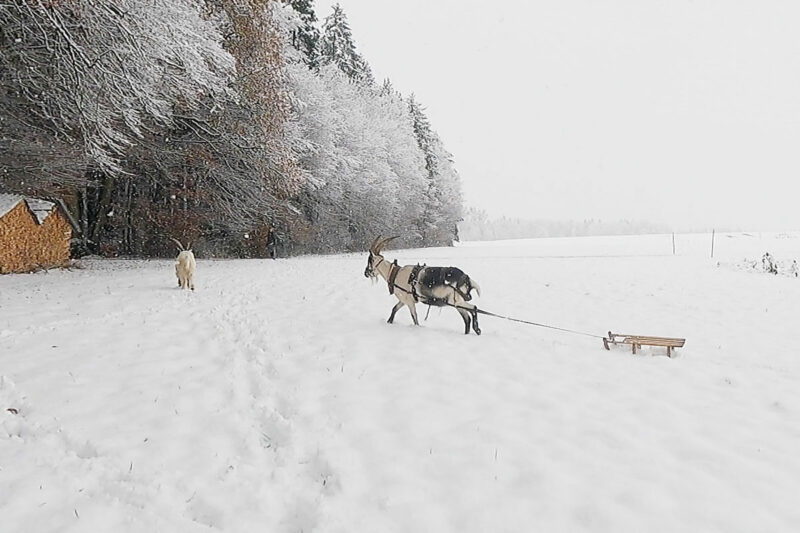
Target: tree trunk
102, 210
83, 208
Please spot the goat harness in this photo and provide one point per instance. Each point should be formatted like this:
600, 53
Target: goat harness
440, 279
394, 268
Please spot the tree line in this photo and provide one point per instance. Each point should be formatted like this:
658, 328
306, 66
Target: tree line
216, 122
478, 225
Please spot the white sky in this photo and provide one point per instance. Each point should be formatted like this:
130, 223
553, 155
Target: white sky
676, 111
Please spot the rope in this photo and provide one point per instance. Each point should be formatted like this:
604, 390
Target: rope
481, 311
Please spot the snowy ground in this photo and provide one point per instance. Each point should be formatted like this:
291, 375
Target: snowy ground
276, 398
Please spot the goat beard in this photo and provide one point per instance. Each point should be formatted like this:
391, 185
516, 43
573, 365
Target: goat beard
373, 280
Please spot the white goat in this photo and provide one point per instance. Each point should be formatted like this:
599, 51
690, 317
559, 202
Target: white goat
185, 266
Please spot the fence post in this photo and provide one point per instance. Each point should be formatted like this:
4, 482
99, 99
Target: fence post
712, 243
673, 243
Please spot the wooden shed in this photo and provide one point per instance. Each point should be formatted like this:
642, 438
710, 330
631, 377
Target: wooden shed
34, 234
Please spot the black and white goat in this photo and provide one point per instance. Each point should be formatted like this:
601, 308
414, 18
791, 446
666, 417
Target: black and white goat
438, 286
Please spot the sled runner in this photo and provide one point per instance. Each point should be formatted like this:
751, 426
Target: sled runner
638, 340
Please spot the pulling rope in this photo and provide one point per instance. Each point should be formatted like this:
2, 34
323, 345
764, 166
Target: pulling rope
481, 311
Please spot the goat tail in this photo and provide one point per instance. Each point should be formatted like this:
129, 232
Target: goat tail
475, 286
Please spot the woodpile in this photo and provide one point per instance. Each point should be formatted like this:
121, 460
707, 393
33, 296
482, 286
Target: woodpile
34, 234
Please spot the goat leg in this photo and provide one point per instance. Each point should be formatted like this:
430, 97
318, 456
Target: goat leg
413, 309
396, 308
466, 317
475, 321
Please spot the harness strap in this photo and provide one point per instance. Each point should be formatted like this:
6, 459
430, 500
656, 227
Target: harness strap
425, 301
394, 268
412, 278
413, 294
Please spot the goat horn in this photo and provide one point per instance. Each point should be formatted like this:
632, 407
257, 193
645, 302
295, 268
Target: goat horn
384, 242
372, 247
176, 241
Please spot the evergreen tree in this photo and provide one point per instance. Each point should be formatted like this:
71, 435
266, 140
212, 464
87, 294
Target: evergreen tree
338, 48
387, 89
305, 37
424, 133
442, 199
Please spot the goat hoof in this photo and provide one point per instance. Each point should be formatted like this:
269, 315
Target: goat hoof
477, 331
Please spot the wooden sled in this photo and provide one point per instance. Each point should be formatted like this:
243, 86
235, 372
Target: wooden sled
638, 341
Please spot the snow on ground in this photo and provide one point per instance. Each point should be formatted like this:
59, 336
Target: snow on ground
276, 398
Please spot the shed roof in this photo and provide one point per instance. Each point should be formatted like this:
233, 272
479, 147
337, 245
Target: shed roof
8, 202
41, 208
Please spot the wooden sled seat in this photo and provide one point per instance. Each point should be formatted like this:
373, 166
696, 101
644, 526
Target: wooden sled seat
639, 340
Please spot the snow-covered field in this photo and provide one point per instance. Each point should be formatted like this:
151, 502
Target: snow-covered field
276, 398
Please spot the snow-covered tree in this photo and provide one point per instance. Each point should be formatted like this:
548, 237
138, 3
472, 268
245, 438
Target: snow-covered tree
305, 35
337, 47
201, 120
147, 115
366, 174
84, 83
232, 165
443, 197
356, 147
387, 89
93, 76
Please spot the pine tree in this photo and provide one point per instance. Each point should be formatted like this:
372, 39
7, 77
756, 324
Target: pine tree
442, 199
306, 36
387, 89
338, 48
424, 133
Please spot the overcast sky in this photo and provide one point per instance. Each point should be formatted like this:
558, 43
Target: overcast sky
674, 111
